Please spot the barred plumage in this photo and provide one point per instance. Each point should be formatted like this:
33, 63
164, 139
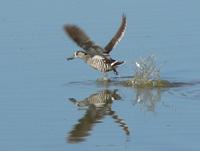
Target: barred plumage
93, 54
99, 64
99, 106
98, 99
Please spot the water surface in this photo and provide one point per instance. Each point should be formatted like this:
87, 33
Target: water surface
36, 81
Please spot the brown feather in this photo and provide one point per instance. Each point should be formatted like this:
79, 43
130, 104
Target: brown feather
78, 36
117, 37
83, 40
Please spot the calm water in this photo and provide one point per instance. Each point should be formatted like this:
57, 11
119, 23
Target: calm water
36, 81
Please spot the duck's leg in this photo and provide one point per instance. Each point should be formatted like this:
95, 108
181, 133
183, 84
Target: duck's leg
115, 71
105, 76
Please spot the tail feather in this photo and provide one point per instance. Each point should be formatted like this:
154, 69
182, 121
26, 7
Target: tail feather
116, 63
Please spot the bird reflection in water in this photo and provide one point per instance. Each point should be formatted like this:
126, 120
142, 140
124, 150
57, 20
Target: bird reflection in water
98, 106
148, 98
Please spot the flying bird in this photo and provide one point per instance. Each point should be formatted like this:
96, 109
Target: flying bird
94, 55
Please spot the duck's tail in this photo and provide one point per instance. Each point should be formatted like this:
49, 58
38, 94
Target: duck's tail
116, 63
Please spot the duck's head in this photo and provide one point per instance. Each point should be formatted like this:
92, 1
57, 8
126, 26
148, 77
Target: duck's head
78, 54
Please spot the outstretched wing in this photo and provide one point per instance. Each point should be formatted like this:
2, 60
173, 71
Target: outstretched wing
83, 40
118, 36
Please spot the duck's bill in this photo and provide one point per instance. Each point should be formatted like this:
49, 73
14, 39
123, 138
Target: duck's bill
69, 58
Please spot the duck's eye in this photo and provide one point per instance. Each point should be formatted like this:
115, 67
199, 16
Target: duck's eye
76, 54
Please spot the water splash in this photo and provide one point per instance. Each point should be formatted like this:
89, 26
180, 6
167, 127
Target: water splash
147, 74
146, 69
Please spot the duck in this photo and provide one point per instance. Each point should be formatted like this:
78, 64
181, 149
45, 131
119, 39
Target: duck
94, 55
99, 99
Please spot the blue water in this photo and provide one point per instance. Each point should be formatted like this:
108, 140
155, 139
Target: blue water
36, 81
